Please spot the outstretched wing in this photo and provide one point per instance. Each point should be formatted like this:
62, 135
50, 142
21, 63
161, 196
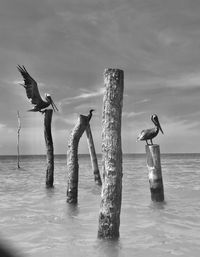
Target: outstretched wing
30, 85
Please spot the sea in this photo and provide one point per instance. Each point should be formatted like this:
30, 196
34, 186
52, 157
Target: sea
36, 221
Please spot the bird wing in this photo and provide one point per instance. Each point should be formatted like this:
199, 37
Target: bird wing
146, 134
30, 85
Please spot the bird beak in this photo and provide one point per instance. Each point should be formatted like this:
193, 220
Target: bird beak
160, 127
54, 106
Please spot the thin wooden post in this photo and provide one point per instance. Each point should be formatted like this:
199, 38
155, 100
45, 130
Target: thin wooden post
18, 135
155, 173
49, 146
111, 195
93, 156
72, 158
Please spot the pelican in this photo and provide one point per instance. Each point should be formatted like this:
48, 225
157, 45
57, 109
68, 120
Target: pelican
149, 134
33, 93
90, 115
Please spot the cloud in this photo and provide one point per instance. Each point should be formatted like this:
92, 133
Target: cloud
66, 45
132, 114
2, 126
83, 96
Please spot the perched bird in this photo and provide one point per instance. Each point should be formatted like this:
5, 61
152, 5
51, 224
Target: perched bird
32, 93
90, 115
149, 134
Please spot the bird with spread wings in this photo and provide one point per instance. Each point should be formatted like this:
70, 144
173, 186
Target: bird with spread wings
33, 93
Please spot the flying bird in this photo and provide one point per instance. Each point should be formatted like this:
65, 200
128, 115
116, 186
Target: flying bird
33, 93
149, 134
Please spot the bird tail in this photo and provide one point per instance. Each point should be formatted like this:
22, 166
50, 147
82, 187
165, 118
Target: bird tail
33, 110
139, 138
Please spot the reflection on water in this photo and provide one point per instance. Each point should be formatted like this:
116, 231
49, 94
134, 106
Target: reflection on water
38, 221
72, 210
158, 205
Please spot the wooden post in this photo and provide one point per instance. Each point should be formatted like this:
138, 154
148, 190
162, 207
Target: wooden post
111, 195
18, 135
93, 156
72, 158
49, 146
155, 173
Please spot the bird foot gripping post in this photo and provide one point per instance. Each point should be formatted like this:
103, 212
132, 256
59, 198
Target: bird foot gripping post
155, 173
110, 208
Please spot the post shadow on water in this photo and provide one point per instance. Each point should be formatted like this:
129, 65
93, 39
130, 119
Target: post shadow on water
158, 205
18, 169
6, 250
72, 210
110, 247
50, 191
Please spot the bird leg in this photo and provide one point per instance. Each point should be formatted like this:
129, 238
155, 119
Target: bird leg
151, 141
42, 111
147, 142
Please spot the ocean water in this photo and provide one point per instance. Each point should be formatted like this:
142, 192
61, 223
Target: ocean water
36, 221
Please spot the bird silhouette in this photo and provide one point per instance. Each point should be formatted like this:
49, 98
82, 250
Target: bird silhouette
90, 115
33, 94
149, 134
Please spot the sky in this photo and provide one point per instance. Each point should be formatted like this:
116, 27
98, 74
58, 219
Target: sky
67, 44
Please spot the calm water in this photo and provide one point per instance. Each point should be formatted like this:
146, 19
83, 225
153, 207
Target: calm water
39, 222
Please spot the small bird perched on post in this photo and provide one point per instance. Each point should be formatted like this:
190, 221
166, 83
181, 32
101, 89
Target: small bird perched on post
32, 93
149, 134
90, 115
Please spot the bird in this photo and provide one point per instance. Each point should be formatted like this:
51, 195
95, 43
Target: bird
33, 93
90, 115
149, 134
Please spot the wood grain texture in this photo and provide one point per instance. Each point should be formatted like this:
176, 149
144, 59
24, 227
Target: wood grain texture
155, 173
109, 216
72, 158
49, 146
93, 156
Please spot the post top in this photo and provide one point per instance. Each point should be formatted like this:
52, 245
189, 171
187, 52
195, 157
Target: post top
113, 70
152, 146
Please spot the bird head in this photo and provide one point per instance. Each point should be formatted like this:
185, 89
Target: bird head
90, 114
155, 120
91, 110
50, 101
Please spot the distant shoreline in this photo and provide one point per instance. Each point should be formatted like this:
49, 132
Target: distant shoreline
98, 154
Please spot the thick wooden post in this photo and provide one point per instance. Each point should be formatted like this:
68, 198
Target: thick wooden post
49, 146
93, 156
72, 158
155, 173
111, 195
18, 135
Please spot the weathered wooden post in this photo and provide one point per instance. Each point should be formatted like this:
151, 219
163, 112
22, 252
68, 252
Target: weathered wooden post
49, 146
155, 173
93, 156
110, 208
18, 135
72, 158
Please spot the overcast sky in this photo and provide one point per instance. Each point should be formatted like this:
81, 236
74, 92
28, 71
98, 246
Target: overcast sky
66, 45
